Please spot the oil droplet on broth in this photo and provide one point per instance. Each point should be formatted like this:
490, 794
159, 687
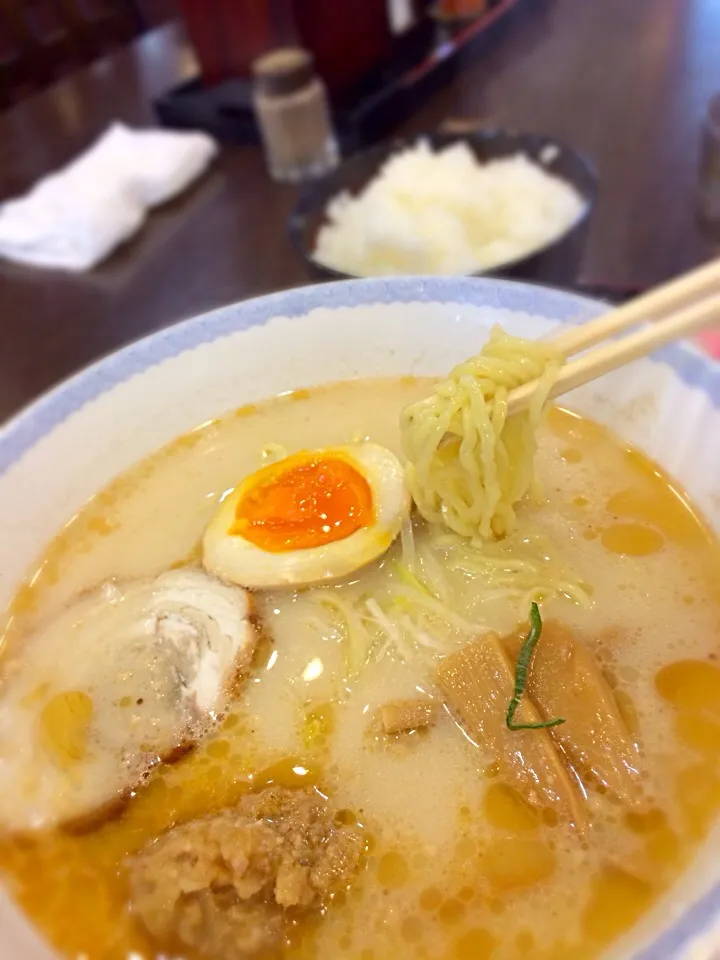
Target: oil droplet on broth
476, 944
654, 499
661, 842
617, 899
693, 688
631, 539
505, 809
218, 749
289, 772
699, 731
689, 684
392, 870
514, 862
451, 912
663, 848
571, 455
245, 411
697, 792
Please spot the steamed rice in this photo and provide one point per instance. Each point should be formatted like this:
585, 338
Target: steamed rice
445, 213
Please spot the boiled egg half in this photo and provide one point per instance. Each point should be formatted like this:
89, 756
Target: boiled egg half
313, 516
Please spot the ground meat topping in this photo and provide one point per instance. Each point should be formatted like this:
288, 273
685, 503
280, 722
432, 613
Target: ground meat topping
227, 884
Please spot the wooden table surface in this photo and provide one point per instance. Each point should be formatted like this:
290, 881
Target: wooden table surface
625, 82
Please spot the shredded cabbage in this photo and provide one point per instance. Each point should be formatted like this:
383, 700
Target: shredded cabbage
430, 596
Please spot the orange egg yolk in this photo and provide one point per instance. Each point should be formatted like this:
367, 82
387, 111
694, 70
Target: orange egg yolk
306, 500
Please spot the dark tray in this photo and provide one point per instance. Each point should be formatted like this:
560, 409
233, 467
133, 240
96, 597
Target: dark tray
422, 59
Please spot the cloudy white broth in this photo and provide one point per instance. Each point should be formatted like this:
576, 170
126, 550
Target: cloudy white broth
453, 857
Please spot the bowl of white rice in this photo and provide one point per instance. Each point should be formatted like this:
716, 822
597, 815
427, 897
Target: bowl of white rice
489, 202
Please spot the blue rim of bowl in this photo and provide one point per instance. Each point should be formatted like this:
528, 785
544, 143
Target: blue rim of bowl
36, 421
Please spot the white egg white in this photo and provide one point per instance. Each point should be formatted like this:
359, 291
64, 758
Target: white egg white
231, 557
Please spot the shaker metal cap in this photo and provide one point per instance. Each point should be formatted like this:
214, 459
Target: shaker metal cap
284, 70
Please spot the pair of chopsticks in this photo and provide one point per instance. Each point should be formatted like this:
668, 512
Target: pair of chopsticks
673, 311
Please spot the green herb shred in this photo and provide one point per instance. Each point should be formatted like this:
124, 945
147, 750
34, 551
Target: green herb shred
521, 672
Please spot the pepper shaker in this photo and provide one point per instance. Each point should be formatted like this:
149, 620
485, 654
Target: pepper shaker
291, 106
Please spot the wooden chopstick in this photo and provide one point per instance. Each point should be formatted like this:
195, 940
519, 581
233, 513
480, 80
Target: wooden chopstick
650, 306
701, 312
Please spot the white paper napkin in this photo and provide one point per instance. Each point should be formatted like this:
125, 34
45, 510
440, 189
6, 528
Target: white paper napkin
74, 218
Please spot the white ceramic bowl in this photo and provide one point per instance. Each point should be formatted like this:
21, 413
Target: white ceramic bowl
71, 442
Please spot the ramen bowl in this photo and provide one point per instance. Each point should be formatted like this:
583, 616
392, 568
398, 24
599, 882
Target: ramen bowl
72, 442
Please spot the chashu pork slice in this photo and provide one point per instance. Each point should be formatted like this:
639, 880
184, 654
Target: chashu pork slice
125, 677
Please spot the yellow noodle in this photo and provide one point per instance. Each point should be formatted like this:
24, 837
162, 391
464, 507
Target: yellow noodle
468, 462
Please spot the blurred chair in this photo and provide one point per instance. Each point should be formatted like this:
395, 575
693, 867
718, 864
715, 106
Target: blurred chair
41, 40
